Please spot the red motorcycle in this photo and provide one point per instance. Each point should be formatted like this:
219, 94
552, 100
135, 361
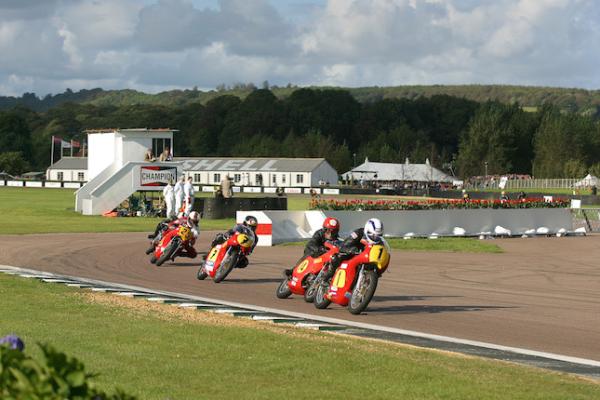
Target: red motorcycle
222, 258
171, 243
355, 281
303, 275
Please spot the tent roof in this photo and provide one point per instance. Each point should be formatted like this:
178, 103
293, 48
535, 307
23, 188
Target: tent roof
589, 180
398, 172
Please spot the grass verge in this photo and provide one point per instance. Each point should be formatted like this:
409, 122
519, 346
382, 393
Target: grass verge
158, 352
30, 210
467, 245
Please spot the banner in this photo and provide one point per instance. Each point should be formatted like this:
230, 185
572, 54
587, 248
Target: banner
157, 175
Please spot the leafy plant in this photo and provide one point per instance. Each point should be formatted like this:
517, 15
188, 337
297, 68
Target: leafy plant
58, 377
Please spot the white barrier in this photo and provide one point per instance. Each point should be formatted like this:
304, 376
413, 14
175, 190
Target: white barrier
52, 185
251, 189
1, 183
331, 191
209, 189
33, 183
287, 226
14, 183
72, 185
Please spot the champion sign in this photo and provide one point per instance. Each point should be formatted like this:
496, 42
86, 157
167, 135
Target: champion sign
157, 175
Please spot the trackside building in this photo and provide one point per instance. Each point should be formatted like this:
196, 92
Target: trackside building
265, 172
69, 169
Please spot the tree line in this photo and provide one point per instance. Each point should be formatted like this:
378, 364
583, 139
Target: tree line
449, 131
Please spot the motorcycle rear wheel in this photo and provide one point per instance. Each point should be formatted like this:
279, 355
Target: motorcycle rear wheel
226, 266
361, 296
321, 302
283, 290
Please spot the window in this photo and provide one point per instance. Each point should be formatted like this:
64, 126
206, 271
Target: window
237, 178
159, 144
274, 179
283, 178
59, 176
80, 176
217, 178
299, 178
197, 178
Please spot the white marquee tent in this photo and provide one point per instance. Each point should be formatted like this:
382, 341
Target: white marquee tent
407, 172
589, 180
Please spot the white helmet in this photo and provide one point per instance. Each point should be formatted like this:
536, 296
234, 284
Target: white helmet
194, 217
373, 229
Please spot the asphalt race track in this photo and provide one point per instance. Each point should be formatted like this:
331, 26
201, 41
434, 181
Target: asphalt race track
541, 294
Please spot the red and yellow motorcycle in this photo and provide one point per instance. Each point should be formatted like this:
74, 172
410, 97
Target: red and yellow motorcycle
171, 243
303, 275
222, 258
355, 281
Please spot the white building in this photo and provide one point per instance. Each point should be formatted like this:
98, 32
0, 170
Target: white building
390, 172
68, 169
265, 172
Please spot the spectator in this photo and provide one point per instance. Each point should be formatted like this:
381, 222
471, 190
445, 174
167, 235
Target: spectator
279, 191
149, 156
465, 196
594, 190
178, 191
188, 194
165, 155
226, 187
503, 197
169, 198
521, 196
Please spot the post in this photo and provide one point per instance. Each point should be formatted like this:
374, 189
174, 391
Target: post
52, 152
486, 169
354, 157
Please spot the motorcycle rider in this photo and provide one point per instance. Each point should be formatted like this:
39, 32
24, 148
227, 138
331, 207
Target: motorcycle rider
316, 245
163, 225
248, 226
191, 222
356, 242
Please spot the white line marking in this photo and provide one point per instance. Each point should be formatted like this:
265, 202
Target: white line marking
449, 339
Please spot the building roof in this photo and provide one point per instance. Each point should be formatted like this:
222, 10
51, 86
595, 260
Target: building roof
250, 164
147, 130
70, 163
375, 171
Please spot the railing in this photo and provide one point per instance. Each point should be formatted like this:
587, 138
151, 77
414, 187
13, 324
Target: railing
518, 184
588, 218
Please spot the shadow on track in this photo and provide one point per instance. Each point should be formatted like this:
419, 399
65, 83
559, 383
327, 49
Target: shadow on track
381, 299
429, 309
257, 280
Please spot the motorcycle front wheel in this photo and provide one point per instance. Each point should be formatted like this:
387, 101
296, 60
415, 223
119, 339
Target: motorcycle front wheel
283, 290
168, 252
363, 293
226, 265
201, 275
321, 302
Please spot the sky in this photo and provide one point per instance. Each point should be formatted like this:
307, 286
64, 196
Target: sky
47, 46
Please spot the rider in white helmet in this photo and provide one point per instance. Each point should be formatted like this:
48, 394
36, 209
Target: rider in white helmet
192, 222
355, 243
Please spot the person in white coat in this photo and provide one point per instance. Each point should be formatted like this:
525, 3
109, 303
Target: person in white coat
188, 193
178, 191
169, 198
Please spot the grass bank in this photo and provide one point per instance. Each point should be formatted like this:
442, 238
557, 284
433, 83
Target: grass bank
159, 352
468, 245
30, 210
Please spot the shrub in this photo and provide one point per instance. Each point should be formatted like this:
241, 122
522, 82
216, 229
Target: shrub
58, 377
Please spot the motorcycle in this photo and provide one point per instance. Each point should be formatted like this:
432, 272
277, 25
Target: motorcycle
171, 243
303, 275
355, 281
222, 258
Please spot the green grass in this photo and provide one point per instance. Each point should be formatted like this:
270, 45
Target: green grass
170, 355
30, 210
468, 245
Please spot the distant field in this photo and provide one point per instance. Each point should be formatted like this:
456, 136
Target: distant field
28, 210
162, 352
468, 245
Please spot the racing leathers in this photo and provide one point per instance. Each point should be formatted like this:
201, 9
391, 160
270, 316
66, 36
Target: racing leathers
241, 228
316, 245
353, 245
188, 249
163, 226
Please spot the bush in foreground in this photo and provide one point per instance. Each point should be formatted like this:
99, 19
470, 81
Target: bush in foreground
58, 377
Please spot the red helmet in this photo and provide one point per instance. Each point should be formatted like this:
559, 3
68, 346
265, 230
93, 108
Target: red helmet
331, 224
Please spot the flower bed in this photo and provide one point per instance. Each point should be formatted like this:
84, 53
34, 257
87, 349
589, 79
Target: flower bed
384, 205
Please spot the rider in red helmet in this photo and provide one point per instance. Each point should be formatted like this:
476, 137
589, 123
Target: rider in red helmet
316, 245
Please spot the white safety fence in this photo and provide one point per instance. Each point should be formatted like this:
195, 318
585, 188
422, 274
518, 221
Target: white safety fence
286, 226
